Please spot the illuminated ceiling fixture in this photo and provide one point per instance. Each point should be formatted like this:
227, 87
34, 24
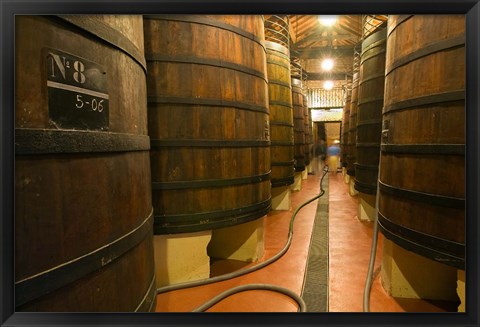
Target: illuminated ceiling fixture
327, 64
328, 20
328, 85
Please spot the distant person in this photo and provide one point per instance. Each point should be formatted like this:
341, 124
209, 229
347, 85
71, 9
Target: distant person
333, 154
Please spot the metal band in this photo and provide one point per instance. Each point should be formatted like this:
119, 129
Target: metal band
371, 77
281, 103
182, 223
33, 287
210, 183
400, 20
208, 22
456, 95
374, 39
299, 168
206, 102
206, 62
368, 122
279, 82
425, 51
278, 63
107, 34
366, 167
282, 163
365, 188
441, 250
195, 143
149, 300
424, 149
277, 47
283, 181
297, 89
281, 143
48, 141
373, 55
280, 123
368, 145
431, 199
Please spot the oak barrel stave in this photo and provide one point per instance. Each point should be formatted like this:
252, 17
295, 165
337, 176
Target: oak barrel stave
281, 114
345, 143
208, 121
422, 175
299, 125
83, 201
369, 117
352, 127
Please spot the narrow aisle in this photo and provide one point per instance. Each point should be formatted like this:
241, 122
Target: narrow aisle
349, 253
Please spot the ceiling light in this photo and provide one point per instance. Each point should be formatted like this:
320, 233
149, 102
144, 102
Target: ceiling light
328, 85
328, 20
327, 64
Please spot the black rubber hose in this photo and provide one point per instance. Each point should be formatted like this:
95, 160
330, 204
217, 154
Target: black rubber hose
248, 270
373, 252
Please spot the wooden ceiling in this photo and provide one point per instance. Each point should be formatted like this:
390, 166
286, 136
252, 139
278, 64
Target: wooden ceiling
310, 42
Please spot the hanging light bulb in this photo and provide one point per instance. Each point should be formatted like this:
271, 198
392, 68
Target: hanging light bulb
327, 64
328, 85
328, 20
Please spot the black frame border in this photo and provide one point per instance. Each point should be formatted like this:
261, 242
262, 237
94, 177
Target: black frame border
10, 8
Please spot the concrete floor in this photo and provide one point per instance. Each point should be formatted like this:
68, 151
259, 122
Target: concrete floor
349, 251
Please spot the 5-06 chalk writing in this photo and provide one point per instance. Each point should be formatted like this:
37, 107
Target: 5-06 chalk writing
93, 104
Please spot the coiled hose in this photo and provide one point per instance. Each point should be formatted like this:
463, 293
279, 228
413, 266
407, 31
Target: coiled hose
241, 272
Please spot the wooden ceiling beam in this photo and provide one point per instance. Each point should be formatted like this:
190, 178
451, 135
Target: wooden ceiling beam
317, 52
329, 76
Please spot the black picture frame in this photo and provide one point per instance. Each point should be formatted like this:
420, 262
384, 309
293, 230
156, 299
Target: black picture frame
10, 8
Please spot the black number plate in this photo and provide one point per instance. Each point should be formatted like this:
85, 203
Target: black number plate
77, 92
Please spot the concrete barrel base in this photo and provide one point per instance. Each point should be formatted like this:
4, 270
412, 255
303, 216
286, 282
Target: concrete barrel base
297, 184
408, 275
461, 289
281, 198
351, 187
366, 207
181, 257
244, 242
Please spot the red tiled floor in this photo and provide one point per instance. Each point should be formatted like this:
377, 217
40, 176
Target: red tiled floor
349, 252
287, 272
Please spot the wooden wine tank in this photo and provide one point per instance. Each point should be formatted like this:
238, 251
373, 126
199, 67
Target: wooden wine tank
83, 210
281, 114
352, 127
422, 175
298, 125
345, 143
307, 129
369, 116
208, 121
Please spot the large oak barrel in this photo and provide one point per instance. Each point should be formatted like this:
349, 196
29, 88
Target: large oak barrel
345, 128
369, 116
352, 127
298, 125
208, 121
281, 114
83, 209
307, 129
422, 174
